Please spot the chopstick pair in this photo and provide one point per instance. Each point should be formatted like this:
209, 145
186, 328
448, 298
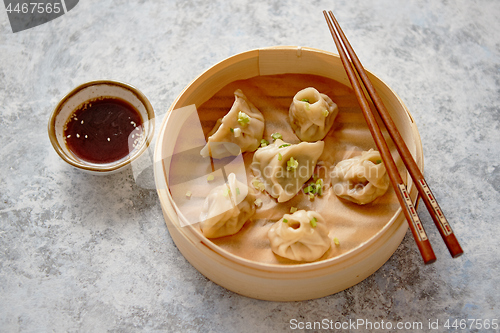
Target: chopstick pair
409, 210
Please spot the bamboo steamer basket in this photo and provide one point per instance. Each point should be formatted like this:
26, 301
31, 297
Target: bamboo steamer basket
268, 281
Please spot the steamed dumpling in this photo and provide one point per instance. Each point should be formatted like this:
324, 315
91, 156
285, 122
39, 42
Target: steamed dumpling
312, 114
241, 129
227, 208
283, 168
301, 236
361, 179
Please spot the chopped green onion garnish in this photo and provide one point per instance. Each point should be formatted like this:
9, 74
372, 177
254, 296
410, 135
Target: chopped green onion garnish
285, 145
313, 222
304, 100
293, 210
258, 202
307, 107
280, 157
231, 129
258, 185
319, 186
292, 164
285, 221
277, 136
188, 194
243, 118
378, 161
314, 188
325, 113
227, 192
237, 191
210, 178
264, 142
336, 241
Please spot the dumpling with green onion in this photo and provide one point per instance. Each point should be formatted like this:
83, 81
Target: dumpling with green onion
361, 179
240, 130
312, 114
301, 236
282, 168
227, 208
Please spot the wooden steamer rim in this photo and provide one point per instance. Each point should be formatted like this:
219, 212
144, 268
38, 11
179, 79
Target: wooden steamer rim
273, 281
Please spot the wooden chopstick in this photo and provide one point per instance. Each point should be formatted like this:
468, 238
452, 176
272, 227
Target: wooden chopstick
431, 203
402, 194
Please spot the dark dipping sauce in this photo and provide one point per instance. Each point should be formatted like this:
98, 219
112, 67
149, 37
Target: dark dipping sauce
102, 130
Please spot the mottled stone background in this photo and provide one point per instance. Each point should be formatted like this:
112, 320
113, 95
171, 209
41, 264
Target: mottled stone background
92, 254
